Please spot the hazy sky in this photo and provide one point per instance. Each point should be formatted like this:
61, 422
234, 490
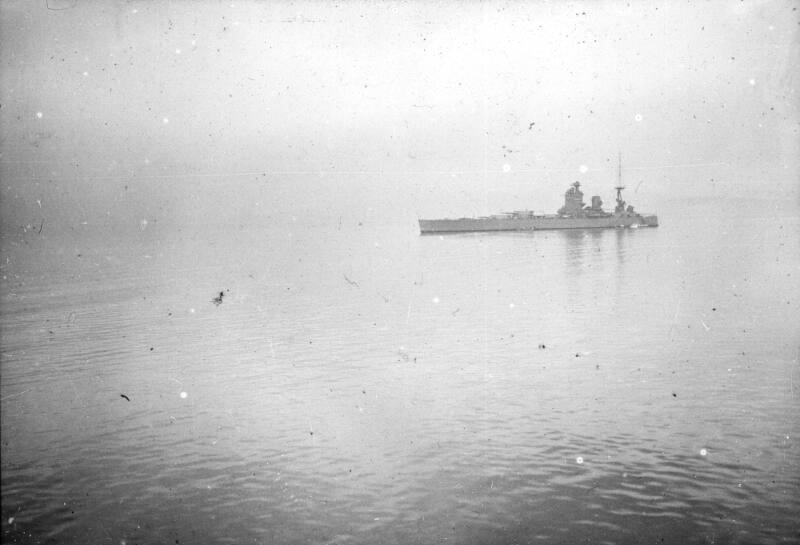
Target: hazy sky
216, 111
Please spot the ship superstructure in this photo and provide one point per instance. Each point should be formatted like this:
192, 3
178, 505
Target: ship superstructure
575, 214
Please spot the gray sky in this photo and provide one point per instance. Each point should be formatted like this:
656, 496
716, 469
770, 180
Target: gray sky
193, 111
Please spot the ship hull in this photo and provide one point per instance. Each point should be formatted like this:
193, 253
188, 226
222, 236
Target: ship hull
535, 223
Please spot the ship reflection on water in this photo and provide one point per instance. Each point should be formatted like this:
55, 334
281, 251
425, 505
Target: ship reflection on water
588, 248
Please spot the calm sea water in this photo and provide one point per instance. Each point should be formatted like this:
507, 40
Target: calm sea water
364, 384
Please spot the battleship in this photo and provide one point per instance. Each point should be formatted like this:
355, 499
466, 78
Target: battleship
573, 215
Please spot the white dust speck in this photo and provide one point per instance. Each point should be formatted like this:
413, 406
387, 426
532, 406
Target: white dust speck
11, 520
506, 168
143, 224
191, 310
771, 27
39, 115
752, 81
178, 51
638, 117
511, 305
134, 11
146, 161
579, 459
165, 121
184, 395
85, 74
194, 42
435, 300
584, 169
703, 452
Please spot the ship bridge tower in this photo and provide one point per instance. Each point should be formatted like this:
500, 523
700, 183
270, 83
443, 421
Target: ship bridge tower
620, 203
573, 201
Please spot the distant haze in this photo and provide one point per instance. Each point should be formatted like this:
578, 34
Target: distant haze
231, 112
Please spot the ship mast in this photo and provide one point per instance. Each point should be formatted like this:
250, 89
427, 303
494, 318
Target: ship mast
620, 187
